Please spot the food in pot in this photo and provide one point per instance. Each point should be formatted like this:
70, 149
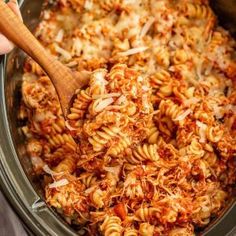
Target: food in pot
149, 145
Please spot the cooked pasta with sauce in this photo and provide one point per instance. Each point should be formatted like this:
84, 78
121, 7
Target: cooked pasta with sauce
148, 147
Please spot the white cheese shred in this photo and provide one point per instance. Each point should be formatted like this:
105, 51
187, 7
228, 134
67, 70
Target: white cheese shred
121, 99
183, 115
108, 95
191, 101
69, 127
88, 5
202, 131
147, 27
59, 36
49, 171
59, 183
132, 51
89, 190
63, 52
103, 104
113, 169
37, 204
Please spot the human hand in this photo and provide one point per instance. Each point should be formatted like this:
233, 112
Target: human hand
6, 45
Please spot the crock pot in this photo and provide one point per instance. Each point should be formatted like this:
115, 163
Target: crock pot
18, 184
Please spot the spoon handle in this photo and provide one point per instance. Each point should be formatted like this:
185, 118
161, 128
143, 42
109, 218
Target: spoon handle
62, 78
12, 27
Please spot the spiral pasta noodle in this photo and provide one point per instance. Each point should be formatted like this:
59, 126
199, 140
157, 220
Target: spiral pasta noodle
180, 57
79, 106
33, 67
61, 139
197, 11
66, 165
145, 152
103, 137
119, 147
159, 78
111, 226
131, 232
170, 109
146, 213
152, 134
88, 179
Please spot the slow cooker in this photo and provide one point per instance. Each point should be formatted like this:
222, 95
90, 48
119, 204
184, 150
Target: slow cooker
18, 183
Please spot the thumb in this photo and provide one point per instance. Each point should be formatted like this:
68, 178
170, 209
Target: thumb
6, 46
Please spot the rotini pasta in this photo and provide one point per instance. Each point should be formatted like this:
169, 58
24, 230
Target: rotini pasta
119, 147
143, 153
152, 134
111, 226
101, 138
145, 229
146, 214
80, 105
59, 140
88, 179
131, 232
97, 198
66, 165
170, 109
194, 10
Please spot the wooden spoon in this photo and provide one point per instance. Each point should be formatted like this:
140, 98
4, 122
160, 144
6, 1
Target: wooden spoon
62, 78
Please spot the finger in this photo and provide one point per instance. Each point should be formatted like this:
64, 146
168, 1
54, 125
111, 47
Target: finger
6, 45
13, 4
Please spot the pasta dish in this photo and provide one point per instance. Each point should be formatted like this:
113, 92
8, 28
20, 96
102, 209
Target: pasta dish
149, 146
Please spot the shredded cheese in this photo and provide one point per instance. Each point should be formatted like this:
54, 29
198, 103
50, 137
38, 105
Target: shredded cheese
122, 99
88, 5
63, 52
132, 51
145, 88
37, 204
37, 162
218, 111
183, 115
89, 190
59, 36
99, 75
113, 169
59, 183
50, 172
108, 95
69, 127
41, 116
103, 104
202, 131
191, 101
147, 27
140, 78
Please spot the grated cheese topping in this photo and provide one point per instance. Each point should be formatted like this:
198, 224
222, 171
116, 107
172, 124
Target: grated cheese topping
59, 183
